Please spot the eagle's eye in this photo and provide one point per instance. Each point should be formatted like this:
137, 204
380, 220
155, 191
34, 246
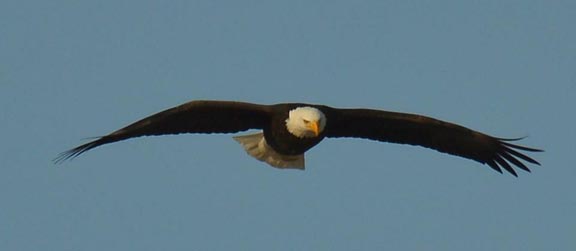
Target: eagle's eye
306, 121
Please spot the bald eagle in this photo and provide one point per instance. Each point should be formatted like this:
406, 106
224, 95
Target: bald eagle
290, 129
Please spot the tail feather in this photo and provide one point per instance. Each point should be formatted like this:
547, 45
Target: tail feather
256, 146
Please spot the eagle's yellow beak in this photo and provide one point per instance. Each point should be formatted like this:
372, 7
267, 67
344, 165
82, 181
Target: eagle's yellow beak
313, 125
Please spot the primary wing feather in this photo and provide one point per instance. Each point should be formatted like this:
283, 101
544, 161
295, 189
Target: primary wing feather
424, 131
191, 117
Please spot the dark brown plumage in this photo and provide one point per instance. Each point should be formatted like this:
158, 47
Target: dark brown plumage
402, 128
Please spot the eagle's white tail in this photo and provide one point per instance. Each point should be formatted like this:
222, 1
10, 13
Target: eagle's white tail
256, 146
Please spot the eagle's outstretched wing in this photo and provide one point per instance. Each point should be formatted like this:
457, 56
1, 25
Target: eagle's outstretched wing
424, 131
191, 117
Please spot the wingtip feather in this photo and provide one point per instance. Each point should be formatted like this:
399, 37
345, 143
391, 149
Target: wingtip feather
509, 156
74, 152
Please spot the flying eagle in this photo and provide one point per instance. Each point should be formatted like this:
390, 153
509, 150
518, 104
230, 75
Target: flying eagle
290, 129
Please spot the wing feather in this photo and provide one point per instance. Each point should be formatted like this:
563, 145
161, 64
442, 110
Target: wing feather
492, 164
514, 161
404, 128
191, 117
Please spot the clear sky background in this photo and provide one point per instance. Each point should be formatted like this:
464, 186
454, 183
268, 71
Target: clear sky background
76, 69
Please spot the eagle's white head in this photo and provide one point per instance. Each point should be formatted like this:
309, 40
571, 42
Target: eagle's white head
305, 122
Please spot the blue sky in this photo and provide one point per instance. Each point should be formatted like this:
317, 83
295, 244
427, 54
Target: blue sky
76, 69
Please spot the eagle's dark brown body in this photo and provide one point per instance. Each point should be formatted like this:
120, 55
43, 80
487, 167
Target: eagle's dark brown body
281, 139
